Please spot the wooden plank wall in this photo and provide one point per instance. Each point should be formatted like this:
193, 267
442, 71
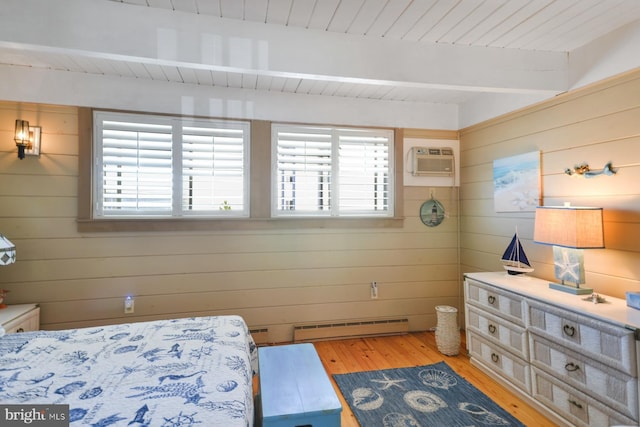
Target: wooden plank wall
274, 278
596, 124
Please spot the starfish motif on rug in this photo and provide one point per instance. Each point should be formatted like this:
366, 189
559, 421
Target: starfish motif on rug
388, 382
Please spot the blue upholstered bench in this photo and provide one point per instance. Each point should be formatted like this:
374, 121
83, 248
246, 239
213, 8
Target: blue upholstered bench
294, 389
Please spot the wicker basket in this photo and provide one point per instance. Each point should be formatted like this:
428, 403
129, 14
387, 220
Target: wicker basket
447, 331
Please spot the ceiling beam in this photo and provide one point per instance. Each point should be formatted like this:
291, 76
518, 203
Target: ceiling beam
122, 32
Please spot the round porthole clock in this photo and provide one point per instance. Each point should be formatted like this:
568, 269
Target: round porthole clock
431, 213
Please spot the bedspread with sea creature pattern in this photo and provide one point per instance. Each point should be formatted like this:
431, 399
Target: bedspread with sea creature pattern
183, 372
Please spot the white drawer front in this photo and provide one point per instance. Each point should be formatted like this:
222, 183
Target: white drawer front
506, 364
612, 345
497, 301
612, 387
578, 408
498, 330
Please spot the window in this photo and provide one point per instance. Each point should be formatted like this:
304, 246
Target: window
321, 171
173, 167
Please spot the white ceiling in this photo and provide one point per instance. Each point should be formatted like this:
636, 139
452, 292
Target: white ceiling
547, 25
512, 30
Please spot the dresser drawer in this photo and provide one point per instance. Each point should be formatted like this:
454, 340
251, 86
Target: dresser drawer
578, 408
498, 330
609, 344
514, 369
499, 302
611, 387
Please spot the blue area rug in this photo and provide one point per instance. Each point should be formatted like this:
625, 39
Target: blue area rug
432, 395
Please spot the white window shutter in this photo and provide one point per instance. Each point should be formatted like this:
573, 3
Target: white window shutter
136, 168
150, 166
364, 174
330, 171
213, 169
303, 171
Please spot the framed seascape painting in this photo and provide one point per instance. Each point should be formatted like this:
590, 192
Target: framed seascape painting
516, 183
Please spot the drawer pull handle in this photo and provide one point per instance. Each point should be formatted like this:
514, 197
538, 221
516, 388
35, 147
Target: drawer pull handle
495, 357
576, 404
19, 330
571, 367
569, 330
492, 329
492, 299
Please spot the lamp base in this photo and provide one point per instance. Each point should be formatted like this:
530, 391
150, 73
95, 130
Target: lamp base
570, 289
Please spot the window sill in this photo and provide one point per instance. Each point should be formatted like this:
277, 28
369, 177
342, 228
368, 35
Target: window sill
191, 224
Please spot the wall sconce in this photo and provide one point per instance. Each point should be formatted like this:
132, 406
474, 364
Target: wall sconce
584, 170
27, 139
569, 230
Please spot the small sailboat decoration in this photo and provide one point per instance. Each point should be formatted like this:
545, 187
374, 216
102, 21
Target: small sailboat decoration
514, 260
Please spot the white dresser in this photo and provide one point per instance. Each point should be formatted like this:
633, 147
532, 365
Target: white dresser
574, 360
18, 318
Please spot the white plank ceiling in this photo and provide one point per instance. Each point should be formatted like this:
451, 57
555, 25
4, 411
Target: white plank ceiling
548, 25
524, 25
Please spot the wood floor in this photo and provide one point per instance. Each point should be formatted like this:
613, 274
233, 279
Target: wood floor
414, 349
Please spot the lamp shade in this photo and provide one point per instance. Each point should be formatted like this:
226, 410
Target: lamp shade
22, 132
7, 251
571, 227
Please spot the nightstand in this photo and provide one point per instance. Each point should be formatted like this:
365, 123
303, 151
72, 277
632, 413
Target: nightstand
20, 318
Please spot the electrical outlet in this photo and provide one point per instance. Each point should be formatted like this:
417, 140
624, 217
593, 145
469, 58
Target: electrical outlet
374, 290
129, 306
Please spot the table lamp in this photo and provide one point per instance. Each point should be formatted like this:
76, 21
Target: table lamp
570, 230
7, 256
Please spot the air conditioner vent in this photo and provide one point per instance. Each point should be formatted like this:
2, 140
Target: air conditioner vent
433, 161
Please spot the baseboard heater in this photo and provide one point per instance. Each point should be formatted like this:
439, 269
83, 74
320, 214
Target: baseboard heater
260, 335
353, 329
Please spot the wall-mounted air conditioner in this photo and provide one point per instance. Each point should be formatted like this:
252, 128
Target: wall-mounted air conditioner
433, 161
423, 168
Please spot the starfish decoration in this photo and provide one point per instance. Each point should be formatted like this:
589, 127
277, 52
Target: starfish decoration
567, 268
387, 382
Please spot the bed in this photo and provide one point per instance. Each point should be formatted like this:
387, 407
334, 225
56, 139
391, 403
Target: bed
192, 371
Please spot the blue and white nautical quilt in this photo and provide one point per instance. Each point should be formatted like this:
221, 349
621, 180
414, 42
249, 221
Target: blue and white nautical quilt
184, 372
